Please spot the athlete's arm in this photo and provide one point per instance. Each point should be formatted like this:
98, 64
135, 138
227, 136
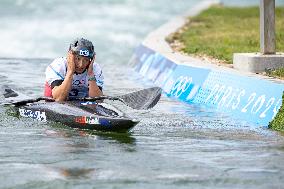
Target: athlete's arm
61, 92
94, 90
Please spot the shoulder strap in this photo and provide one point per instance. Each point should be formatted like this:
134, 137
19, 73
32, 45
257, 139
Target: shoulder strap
57, 73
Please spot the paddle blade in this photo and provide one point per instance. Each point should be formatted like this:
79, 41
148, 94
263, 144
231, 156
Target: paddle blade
12, 97
9, 95
143, 99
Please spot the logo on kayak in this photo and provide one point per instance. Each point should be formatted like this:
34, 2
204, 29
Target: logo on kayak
88, 103
38, 115
87, 120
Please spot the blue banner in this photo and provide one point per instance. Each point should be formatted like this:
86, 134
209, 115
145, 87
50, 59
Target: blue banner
251, 99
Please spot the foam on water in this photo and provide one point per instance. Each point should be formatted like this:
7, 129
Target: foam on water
47, 28
174, 146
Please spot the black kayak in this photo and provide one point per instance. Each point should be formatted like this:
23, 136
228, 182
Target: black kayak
82, 115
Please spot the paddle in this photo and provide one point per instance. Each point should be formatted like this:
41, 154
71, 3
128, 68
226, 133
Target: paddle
143, 99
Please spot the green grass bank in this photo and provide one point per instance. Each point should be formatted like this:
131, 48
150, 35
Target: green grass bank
218, 32
278, 122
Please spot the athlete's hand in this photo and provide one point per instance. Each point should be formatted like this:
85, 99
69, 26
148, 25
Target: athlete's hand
90, 69
71, 62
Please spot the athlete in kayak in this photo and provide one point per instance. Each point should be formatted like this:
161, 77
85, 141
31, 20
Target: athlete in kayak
78, 75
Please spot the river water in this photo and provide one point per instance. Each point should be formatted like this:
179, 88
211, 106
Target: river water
174, 146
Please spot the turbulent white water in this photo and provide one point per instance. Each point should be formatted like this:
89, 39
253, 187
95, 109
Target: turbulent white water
43, 29
174, 146
37, 29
